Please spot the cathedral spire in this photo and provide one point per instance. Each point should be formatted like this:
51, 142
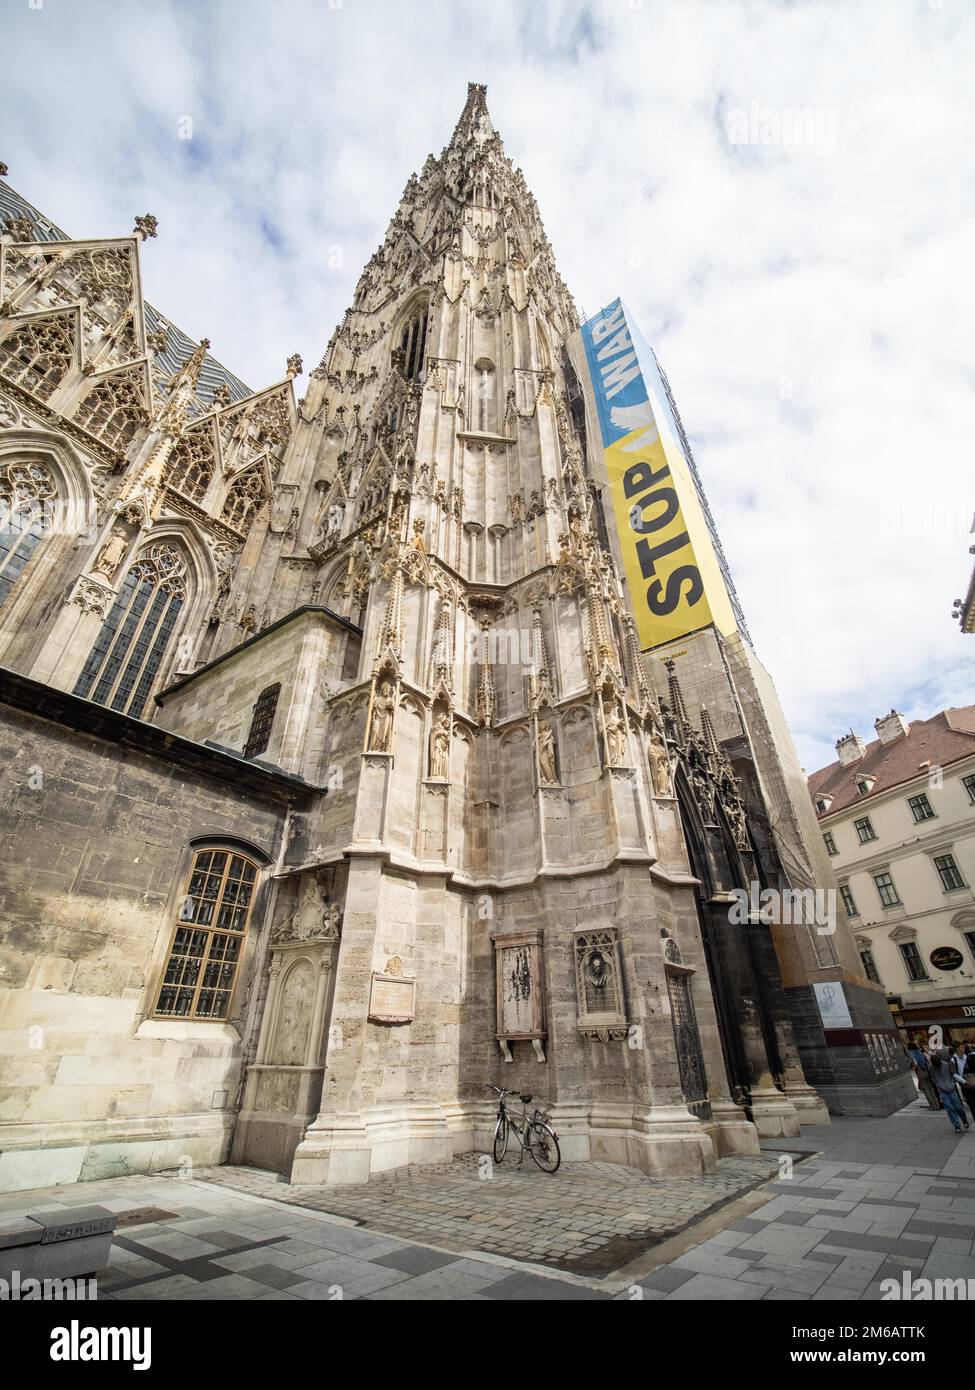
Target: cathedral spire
474, 125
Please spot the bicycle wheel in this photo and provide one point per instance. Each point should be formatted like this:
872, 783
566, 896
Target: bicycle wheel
500, 1139
544, 1147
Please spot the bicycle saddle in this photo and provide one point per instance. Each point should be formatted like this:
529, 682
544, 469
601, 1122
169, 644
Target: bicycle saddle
524, 1099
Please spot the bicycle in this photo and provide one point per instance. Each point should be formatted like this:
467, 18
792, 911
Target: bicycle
534, 1135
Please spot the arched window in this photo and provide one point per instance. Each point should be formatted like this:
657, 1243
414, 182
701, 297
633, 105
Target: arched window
191, 465
27, 493
205, 952
129, 650
113, 410
244, 500
413, 341
37, 355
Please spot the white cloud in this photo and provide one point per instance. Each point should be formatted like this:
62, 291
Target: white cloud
812, 306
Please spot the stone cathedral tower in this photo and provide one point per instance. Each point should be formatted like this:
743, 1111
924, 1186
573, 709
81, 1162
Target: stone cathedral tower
499, 840
364, 800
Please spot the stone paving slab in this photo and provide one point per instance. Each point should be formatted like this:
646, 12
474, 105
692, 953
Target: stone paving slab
588, 1219
193, 1239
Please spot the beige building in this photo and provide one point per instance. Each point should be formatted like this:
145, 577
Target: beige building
897, 818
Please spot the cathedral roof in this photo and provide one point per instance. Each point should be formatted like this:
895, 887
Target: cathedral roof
179, 345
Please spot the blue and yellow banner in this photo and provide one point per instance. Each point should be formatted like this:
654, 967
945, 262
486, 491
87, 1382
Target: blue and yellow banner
674, 576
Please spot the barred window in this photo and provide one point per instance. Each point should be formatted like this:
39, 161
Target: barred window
921, 808
262, 721
206, 949
129, 649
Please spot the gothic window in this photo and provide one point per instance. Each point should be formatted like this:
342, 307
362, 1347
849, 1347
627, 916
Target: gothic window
27, 491
37, 356
129, 650
262, 721
412, 342
206, 948
191, 465
113, 410
244, 500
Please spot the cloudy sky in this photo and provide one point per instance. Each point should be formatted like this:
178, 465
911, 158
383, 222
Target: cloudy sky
784, 193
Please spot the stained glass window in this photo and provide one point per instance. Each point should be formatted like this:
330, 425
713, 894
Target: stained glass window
129, 649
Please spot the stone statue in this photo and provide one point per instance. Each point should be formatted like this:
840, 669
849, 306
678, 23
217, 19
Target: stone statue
382, 719
111, 554
440, 747
546, 753
615, 737
335, 517
659, 765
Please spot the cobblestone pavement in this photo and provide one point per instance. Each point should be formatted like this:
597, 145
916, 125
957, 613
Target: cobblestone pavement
587, 1219
877, 1199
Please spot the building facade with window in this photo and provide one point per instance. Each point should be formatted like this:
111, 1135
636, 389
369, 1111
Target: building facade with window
342, 789
897, 817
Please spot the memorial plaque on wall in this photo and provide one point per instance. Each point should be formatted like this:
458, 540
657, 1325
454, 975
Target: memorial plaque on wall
392, 999
520, 1009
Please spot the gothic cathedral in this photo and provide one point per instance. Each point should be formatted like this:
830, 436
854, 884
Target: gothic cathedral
337, 786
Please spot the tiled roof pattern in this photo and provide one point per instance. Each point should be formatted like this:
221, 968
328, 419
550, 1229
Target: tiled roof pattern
179, 346
938, 741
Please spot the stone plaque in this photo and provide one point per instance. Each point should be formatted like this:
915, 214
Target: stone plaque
392, 999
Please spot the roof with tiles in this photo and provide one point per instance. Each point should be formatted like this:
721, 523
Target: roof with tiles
179, 346
936, 742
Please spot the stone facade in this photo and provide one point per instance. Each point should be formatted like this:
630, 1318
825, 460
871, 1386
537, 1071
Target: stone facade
371, 649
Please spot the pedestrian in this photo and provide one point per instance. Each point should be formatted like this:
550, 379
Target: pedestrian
964, 1067
944, 1078
922, 1072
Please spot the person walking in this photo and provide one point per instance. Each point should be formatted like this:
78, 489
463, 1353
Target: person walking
943, 1076
963, 1064
922, 1072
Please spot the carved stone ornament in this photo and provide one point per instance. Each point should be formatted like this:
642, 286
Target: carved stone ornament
520, 1000
92, 597
599, 985
305, 929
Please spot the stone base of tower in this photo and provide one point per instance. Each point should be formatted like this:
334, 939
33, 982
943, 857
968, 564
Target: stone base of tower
773, 1113
350, 1148
661, 1140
